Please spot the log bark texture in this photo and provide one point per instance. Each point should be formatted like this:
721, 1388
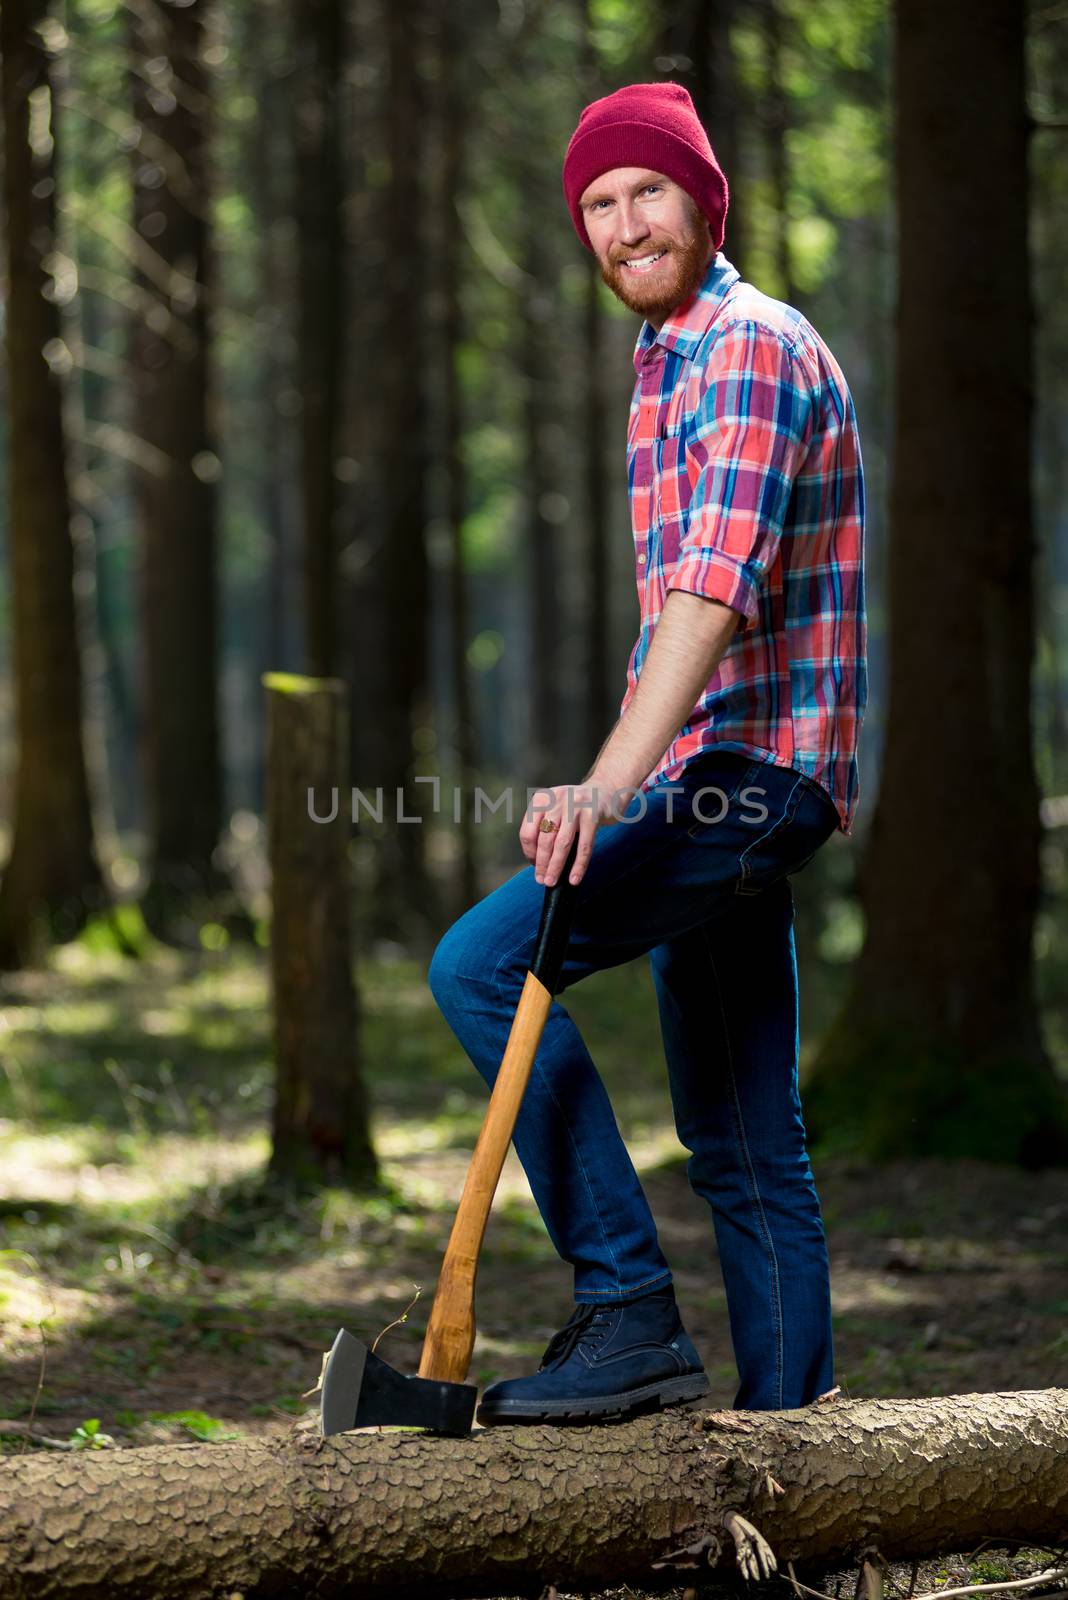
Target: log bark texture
508, 1509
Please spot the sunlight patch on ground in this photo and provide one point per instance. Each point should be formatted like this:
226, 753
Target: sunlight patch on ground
865, 1292
28, 1298
69, 1017
162, 1021
57, 1166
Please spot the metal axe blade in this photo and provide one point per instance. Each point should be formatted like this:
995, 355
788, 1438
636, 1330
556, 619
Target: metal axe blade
360, 1389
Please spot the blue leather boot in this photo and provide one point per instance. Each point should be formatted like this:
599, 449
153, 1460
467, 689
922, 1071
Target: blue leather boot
611, 1359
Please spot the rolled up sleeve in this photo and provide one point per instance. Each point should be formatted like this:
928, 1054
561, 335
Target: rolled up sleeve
752, 430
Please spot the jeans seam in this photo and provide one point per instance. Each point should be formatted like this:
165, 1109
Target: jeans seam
754, 1188
665, 1277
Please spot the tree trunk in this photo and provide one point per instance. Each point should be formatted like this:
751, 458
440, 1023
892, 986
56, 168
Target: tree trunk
320, 1130
175, 480
724, 125
775, 114
52, 877
693, 47
941, 1025
506, 1510
280, 642
320, 66
600, 708
453, 136
534, 315
404, 898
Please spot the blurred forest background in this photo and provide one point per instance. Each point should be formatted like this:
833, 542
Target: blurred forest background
307, 374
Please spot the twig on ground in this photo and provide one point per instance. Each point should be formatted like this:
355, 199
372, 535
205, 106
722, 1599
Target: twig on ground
1052, 1575
28, 1432
402, 1318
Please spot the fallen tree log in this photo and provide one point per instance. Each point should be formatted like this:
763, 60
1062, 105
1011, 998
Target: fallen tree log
509, 1509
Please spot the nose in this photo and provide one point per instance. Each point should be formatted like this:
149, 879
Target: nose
631, 227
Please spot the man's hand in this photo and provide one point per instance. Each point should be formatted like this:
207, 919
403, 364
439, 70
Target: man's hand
577, 808
687, 643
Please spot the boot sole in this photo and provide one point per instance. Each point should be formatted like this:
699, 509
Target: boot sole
633, 1402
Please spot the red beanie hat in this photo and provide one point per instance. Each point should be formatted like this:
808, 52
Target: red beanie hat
645, 125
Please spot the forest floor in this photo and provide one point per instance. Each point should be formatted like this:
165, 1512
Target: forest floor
151, 1288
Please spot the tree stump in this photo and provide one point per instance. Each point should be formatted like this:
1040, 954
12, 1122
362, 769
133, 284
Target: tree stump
320, 1126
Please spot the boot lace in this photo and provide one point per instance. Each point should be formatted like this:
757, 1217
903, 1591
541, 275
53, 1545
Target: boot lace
586, 1325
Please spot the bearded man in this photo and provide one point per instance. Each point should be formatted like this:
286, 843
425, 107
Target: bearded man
733, 760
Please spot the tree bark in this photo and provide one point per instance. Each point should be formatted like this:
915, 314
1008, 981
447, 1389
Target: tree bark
175, 481
320, 50
279, 645
320, 1129
600, 708
404, 905
534, 315
52, 877
454, 101
942, 1023
775, 115
692, 46
726, 117
506, 1510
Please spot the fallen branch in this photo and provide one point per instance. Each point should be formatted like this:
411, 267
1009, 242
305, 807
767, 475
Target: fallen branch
27, 1431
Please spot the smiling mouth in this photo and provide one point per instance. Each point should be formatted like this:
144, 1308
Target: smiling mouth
640, 264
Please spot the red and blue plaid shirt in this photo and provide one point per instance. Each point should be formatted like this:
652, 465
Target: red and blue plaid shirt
746, 486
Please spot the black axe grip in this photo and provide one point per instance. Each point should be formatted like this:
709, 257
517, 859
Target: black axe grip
554, 929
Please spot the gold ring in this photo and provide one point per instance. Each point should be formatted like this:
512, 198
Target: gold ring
547, 825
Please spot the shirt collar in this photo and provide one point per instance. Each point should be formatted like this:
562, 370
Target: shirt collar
688, 323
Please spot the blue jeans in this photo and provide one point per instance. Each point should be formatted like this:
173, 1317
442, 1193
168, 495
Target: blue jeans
705, 894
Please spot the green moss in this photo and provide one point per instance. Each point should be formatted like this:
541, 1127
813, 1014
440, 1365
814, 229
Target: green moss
889, 1093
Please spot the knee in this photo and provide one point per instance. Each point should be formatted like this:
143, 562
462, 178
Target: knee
444, 968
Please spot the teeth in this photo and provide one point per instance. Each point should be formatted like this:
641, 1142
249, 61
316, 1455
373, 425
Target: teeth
643, 261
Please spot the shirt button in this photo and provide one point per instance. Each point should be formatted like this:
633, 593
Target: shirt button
641, 561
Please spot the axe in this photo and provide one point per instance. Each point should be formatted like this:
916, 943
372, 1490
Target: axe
358, 1387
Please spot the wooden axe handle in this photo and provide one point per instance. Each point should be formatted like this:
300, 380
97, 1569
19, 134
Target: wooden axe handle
450, 1334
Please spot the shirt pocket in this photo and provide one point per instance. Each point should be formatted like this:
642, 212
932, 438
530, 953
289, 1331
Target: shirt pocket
671, 494
672, 483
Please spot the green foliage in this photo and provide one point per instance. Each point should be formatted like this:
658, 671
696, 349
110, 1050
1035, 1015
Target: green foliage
486, 649
120, 930
840, 163
89, 1437
213, 936
986, 1570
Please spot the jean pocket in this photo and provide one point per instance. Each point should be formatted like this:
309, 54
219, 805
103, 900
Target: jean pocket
793, 833
718, 781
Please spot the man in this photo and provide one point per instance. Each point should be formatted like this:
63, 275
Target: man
747, 683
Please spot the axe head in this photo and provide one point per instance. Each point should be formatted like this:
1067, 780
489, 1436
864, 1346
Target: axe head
359, 1390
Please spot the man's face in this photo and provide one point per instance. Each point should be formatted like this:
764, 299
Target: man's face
631, 213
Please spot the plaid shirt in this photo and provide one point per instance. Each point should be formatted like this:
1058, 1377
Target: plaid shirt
745, 484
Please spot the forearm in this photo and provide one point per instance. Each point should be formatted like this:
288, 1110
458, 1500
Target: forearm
688, 642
